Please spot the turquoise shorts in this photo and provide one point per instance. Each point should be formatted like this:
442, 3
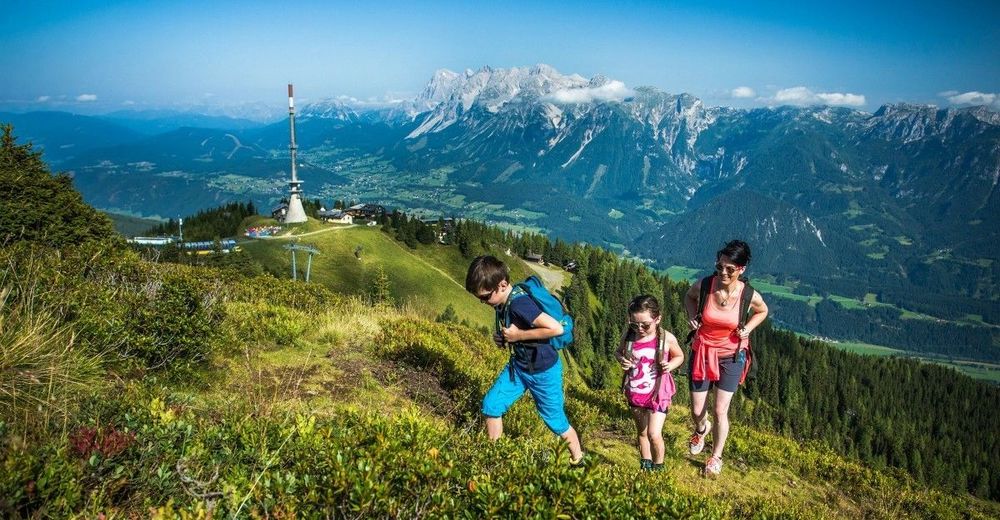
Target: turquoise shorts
546, 389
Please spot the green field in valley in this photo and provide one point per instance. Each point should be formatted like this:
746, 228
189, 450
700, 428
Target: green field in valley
973, 369
677, 272
983, 371
867, 348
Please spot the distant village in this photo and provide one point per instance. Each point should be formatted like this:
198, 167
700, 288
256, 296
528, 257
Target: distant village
366, 214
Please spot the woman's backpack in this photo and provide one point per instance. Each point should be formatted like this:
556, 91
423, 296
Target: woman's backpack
750, 371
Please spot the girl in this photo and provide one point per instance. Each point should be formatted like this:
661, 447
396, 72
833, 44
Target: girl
648, 354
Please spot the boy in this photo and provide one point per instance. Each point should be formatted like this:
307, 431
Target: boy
534, 364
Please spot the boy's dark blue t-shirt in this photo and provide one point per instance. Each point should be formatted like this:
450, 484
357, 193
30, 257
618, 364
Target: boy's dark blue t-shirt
524, 311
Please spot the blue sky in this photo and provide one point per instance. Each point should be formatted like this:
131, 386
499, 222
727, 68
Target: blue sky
100, 56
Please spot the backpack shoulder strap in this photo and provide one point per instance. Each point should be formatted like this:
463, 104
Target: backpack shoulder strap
706, 288
625, 347
703, 291
517, 291
745, 300
625, 344
661, 339
750, 369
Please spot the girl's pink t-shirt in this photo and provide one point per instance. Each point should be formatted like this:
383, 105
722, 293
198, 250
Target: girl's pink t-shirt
642, 378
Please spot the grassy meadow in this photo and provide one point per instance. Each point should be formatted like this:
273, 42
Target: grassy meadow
188, 392
426, 279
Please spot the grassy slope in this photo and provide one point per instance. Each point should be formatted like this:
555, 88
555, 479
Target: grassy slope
338, 404
427, 279
439, 373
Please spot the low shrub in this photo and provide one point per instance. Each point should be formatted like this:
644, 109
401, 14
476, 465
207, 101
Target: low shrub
262, 322
168, 459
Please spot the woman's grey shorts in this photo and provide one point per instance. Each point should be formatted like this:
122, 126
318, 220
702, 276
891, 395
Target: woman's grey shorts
729, 379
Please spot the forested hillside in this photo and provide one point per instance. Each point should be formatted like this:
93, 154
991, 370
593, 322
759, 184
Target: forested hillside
886, 325
208, 224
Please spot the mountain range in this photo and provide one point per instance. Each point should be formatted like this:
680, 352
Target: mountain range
899, 201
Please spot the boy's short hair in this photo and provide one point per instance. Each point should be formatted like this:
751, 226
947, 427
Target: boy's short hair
485, 273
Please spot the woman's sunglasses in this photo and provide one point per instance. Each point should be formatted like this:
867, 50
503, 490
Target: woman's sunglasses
728, 269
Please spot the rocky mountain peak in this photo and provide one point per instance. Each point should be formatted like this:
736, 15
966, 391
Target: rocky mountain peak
490, 89
909, 122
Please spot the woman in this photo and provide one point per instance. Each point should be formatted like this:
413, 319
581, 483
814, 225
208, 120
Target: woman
648, 354
720, 347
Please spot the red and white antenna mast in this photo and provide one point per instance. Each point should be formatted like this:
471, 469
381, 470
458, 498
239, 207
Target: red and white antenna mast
296, 213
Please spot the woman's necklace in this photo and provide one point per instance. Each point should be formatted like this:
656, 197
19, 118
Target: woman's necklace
729, 293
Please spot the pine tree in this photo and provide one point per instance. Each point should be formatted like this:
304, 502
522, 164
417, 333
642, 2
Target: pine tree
425, 234
448, 316
39, 207
380, 290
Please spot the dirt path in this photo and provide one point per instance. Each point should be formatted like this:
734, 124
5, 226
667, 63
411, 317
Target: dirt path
552, 277
428, 264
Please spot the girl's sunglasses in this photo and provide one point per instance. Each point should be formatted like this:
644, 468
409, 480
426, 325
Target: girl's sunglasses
636, 325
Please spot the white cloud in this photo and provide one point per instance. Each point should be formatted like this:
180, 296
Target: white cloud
972, 98
948, 93
87, 97
841, 100
128, 102
43, 99
743, 92
795, 96
613, 90
802, 96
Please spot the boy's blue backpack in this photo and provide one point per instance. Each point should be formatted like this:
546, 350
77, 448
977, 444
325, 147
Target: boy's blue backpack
550, 305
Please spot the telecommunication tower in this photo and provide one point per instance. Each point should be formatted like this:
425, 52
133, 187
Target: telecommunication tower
295, 212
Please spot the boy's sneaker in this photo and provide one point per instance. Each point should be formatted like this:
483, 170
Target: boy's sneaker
713, 466
645, 464
580, 463
697, 442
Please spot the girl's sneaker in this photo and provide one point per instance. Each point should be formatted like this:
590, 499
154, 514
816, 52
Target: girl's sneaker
713, 466
697, 442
